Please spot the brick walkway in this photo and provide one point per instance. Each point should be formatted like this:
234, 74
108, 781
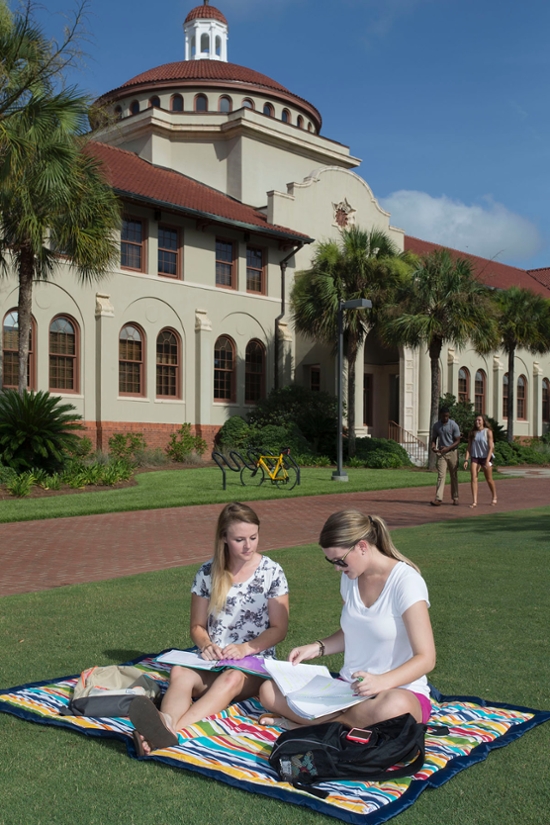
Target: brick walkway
39, 555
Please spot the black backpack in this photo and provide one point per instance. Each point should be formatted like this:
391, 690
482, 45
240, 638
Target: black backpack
321, 753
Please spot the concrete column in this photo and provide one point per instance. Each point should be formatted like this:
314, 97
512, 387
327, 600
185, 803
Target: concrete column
498, 372
360, 430
106, 367
452, 374
424, 395
286, 359
536, 400
204, 368
408, 400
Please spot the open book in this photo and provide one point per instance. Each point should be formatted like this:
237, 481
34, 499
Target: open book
310, 690
249, 664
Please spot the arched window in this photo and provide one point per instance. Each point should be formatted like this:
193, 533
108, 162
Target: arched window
248, 104
131, 361
463, 385
218, 46
134, 107
285, 117
176, 103
224, 369
546, 400
254, 384
521, 400
201, 103
479, 401
300, 122
205, 44
269, 110
225, 104
118, 112
10, 352
63, 355
310, 126
168, 364
155, 102
505, 395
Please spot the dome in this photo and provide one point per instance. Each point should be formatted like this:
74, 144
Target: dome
205, 13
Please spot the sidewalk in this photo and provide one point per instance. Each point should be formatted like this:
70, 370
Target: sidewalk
39, 555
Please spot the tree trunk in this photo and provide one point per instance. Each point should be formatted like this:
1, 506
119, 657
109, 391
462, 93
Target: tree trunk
511, 395
435, 352
352, 358
24, 314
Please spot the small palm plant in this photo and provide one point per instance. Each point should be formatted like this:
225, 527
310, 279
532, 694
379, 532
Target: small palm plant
36, 430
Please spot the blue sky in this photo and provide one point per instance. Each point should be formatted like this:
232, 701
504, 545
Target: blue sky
445, 101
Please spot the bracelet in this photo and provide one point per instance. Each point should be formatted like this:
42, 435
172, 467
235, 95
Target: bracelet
321, 647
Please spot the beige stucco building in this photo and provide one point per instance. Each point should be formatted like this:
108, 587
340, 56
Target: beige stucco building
227, 181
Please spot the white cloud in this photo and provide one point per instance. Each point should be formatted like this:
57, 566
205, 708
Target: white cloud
488, 229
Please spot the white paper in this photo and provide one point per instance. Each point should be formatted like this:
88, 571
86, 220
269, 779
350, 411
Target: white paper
321, 696
290, 678
183, 657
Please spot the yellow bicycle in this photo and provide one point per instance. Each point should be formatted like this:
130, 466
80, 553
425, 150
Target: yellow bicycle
280, 469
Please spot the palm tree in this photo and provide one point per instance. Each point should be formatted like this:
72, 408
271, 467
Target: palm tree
442, 303
523, 323
364, 264
53, 197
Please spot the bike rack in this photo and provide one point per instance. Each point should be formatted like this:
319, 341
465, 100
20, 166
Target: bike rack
224, 462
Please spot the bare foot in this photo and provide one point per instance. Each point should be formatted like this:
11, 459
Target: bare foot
494, 502
272, 720
473, 505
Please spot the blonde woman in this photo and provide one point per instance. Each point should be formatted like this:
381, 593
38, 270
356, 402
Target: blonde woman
385, 631
239, 607
480, 453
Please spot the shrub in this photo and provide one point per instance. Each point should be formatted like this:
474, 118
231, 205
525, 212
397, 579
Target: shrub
82, 448
235, 433
182, 444
20, 485
36, 430
371, 450
151, 458
126, 445
6, 474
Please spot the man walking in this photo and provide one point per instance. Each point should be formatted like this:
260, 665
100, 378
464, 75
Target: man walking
445, 441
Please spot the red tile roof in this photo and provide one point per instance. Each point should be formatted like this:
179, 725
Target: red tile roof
492, 273
205, 13
133, 177
542, 275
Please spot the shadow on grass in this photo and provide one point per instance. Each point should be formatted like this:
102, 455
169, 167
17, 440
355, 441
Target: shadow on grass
119, 656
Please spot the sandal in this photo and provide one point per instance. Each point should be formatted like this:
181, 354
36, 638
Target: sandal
147, 720
138, 743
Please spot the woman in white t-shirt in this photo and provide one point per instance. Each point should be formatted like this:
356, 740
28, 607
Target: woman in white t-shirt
385, 631
239, 607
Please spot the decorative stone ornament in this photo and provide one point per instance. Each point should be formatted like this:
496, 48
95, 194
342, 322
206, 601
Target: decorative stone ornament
344, 214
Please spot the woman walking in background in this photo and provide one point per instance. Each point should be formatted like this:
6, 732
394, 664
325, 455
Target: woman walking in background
480, 451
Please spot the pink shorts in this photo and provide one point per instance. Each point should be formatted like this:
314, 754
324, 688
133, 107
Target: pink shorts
425, 706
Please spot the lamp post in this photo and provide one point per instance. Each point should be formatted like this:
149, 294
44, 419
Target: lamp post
360, 303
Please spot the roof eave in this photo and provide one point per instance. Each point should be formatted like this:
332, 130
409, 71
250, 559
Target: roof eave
198, 213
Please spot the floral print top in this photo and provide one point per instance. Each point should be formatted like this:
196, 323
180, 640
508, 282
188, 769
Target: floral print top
245, 614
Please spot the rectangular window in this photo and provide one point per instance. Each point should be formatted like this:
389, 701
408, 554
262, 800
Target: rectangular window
254, 270
368, 381
315, 378
168, 254
225, 264
132, 244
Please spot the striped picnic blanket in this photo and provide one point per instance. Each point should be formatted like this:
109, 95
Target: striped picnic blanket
233, 748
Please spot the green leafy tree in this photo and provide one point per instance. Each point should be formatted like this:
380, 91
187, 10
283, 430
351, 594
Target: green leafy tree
442, 303
363, 264
523, 323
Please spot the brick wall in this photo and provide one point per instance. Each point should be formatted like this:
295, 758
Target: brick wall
156, 435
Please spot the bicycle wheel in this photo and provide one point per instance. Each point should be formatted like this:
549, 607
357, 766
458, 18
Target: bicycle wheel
286, 477
252, 475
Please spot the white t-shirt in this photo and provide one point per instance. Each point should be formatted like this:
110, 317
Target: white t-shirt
245, 614
376, 640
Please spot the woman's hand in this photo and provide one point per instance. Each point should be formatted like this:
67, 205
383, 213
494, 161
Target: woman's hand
211, 652
466, 464
300, 654
367, 684
236, 651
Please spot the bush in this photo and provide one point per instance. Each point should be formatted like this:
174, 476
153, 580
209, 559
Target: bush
36, 430
315, 414
370, 452
510, 455
7, 474
20, 485
183, 444
235, 433
127, 446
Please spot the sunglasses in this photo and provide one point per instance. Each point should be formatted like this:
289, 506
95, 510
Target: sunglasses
340, 562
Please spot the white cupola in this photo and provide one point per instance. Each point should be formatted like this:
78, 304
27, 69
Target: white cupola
206, 34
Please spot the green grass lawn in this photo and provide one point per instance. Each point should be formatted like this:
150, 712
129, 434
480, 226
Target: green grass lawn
489, 583
178, 488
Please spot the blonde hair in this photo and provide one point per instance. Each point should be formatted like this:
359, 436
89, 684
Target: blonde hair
346, 528
222, 580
